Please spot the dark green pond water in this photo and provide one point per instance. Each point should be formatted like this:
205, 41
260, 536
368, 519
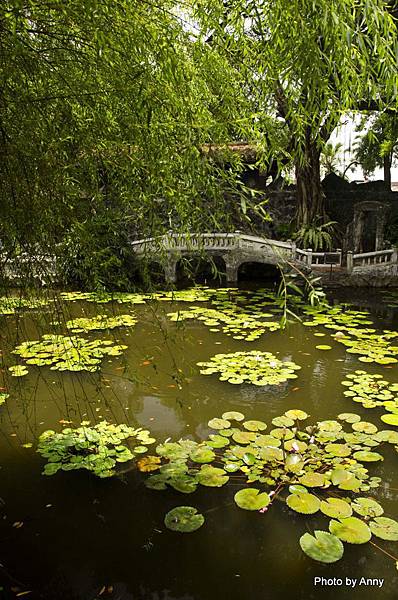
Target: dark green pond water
71, 535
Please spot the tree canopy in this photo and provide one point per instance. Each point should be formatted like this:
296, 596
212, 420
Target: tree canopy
307, 62
106, 107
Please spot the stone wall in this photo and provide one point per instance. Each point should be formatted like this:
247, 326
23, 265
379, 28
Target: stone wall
341, 198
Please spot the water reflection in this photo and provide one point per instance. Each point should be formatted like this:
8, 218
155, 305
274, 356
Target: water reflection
81, 534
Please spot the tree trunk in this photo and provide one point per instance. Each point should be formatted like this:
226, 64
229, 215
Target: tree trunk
387, 160
310, 196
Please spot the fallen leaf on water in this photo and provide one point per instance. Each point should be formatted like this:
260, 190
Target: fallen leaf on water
65, 422
145, 363
17, 524
24, 593
171, 385
28, 445
102, 590
295, 389
148, 464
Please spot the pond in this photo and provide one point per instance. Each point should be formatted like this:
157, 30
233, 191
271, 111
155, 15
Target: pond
76, 536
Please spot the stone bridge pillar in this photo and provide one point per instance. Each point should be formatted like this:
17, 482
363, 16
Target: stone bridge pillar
231, 269
170, 270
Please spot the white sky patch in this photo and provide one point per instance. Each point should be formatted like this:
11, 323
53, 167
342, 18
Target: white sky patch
346, 135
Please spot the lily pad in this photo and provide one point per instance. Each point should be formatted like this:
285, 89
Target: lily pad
233, 416
364, 427
342, 450
364, 456
336, 508
254, 425
312, 479
390, 419
351, 530
212, 476
202, 454
367, 507
184, 519
296, 414
303, 502
219, 423
148, 464
322, 546
251, 499
384, 528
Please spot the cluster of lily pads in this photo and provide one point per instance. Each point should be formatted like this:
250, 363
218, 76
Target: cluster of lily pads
258, 368
340, 317
196, 294
97, 448
18, 370
372, 347
319, 468
66, 353
9, 305
372, 391
233, 321
99, 322
193, 294
352, 331
105, 297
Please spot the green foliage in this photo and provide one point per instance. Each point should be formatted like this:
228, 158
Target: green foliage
106, 110
97, 448
330, 158
96, 254
316, 235
378, 147
308, 63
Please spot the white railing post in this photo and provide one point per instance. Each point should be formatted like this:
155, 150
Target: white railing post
293, 249
394, 255
350, 261
340, 256
309, 256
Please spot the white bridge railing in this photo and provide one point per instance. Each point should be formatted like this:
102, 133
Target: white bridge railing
371, 259
185, 243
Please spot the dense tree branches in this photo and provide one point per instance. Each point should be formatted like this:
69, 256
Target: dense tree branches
104, 107
310, 61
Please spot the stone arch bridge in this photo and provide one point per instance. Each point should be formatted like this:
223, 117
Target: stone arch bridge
235, 249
